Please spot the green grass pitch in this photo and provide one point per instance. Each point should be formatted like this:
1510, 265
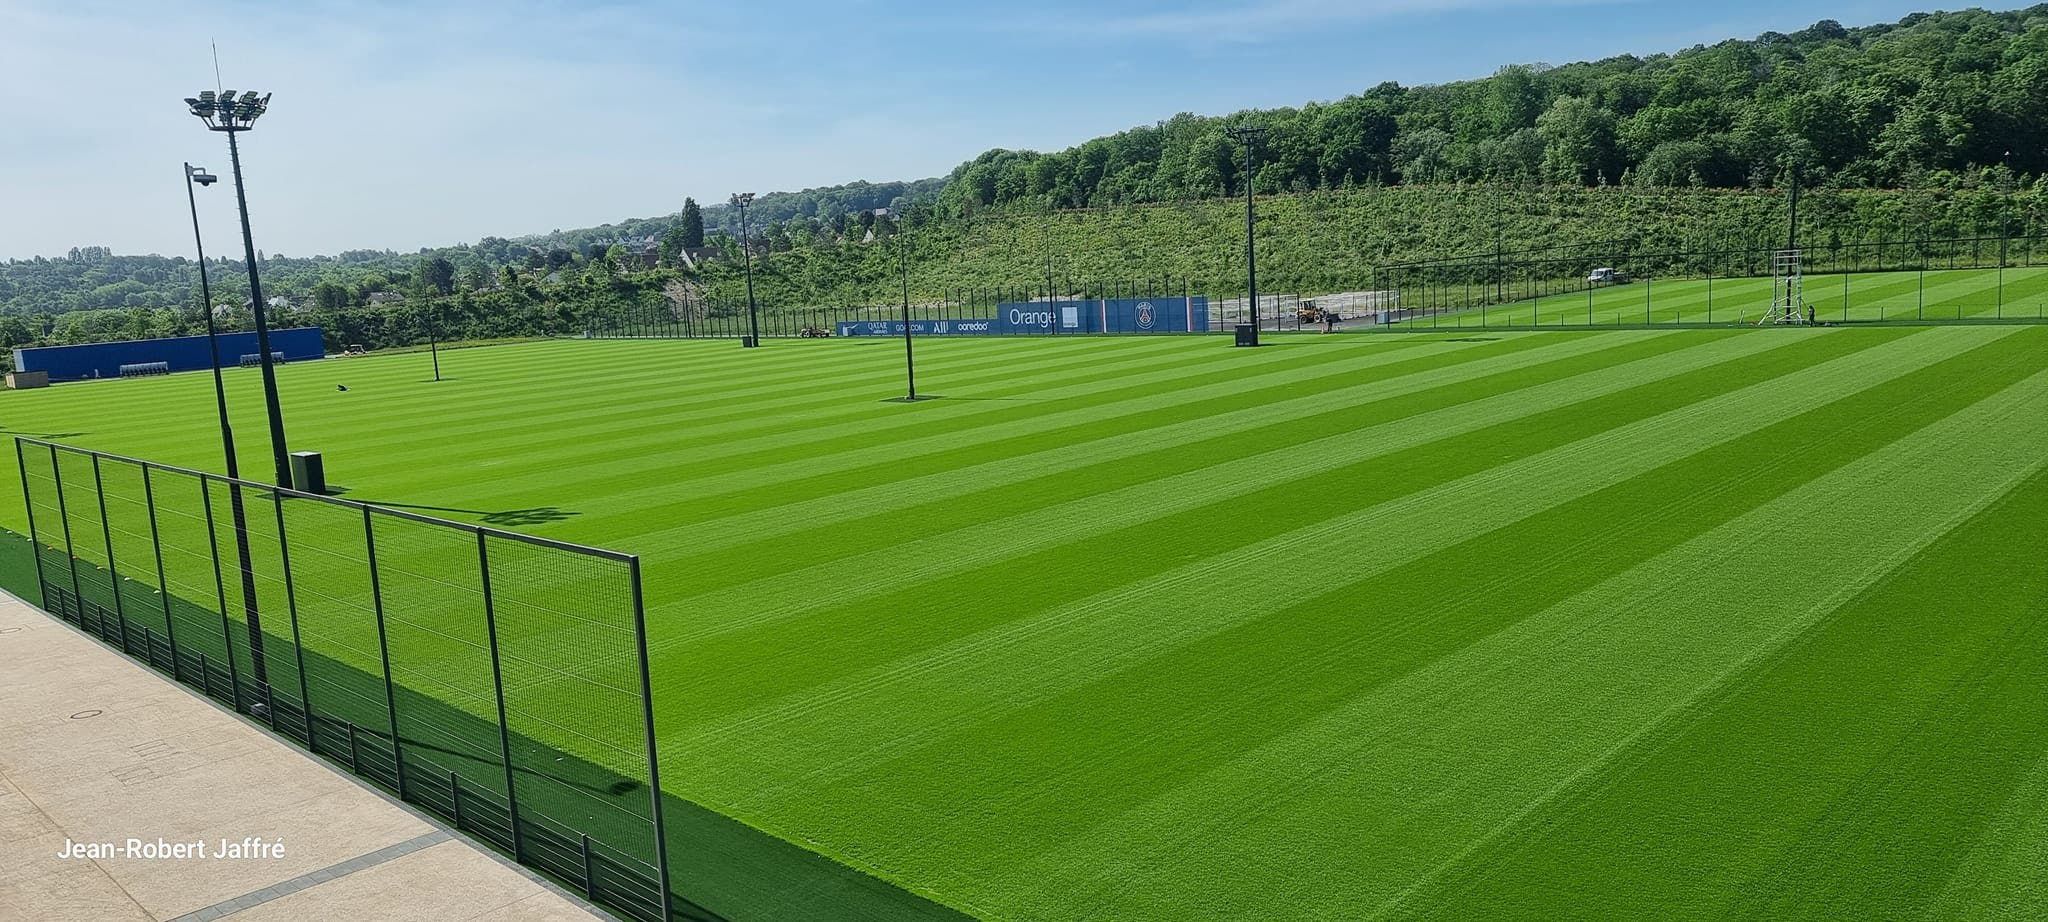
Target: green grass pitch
1647, 623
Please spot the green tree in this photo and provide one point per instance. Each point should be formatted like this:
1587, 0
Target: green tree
1578, 141
693, 224
438, 274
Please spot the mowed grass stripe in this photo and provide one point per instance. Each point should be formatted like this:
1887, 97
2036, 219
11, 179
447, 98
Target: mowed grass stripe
1403, 783
749, 410
2001, 874
882, 627
943, 492
1144, 617
1900, 724
624, 473
729, 476
583, 428
1004, 534
1155, 724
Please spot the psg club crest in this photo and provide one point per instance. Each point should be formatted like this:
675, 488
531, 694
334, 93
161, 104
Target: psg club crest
1145, 315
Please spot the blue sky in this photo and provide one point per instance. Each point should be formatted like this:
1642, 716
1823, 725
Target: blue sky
401, 126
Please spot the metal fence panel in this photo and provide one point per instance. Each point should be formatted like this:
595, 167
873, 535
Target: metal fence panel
571, 672
496, 679
78, 508
48, 529
337, 628
195, 582
131, 557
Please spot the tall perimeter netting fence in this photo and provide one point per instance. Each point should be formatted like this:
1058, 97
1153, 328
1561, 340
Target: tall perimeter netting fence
1060, 306
496, 679
1967, 279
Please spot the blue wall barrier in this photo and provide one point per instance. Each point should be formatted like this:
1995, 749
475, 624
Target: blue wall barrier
184, 353
1100, 315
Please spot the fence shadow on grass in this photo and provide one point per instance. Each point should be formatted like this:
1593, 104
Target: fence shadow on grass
538, 515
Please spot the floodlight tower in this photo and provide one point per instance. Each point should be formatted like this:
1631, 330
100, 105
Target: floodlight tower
1250, 135
741, 200
233, 115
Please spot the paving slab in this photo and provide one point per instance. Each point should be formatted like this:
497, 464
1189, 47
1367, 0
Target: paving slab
97, 750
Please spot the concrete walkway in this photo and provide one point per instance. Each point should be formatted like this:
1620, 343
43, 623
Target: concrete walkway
96, 748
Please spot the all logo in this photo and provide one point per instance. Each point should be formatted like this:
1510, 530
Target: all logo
1145, 315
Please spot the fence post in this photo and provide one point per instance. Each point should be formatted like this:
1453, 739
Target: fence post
28, 499
163, 585
2002, 245
220, 589
64, 518
483, 563
107, 538
647, 714
590, 877
291, 607
384, 652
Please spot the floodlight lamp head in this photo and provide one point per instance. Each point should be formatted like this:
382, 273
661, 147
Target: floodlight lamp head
228, 111
742, 199
199, 175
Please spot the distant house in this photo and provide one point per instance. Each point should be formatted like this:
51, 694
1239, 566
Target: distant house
641, 254
385, 297
277, 305
692, 256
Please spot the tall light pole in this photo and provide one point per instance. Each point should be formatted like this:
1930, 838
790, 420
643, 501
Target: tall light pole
1250, 135
197, 176
909, 358
741, 200
1052, 310
1792, 211
2004, 231
234, 115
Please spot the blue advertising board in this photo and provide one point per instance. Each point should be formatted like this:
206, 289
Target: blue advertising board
183, 353
980, 327
1106, 315
1099, 315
